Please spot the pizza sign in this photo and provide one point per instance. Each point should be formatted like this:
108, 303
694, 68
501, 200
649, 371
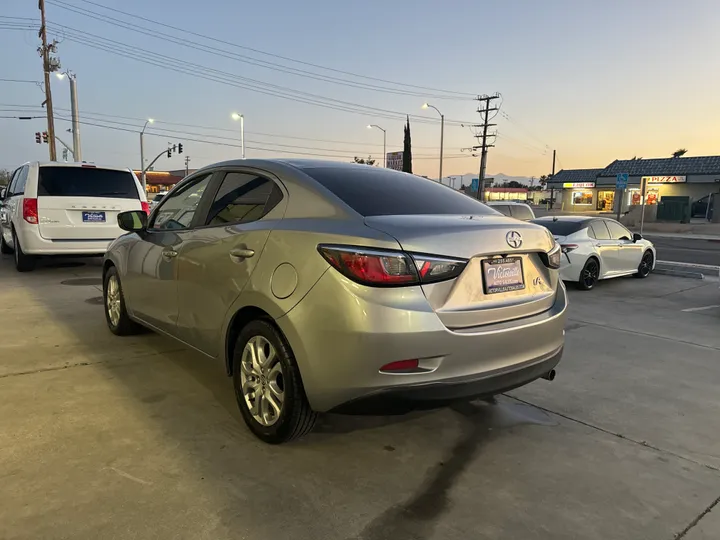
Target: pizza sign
664, 179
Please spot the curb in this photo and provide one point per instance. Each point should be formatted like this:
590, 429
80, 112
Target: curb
686, 270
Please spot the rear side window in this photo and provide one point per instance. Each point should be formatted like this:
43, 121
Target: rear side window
86, 182
522, 212
600, 231
561, 228
243, 198
502, 208
372, 191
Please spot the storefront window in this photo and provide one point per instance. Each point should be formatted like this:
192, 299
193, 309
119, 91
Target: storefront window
652, 196
635, 197
605, 200
582, 197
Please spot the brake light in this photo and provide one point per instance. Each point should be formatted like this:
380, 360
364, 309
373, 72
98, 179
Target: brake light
551, 259
370, 266
145, 207
380, 267
567, 248
30, 211
401, 366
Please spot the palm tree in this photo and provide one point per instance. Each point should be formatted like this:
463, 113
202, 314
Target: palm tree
680, 152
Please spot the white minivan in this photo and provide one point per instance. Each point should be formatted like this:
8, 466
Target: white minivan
64, 209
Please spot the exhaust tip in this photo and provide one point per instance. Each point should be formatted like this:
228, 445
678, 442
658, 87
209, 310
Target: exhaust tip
550, 375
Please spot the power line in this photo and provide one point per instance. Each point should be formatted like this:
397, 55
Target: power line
19, 81
466, 95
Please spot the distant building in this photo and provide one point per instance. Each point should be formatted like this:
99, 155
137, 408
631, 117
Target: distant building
594, 189
160, 180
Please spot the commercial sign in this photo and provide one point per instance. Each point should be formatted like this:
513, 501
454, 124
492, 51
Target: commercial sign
664, 179
579, 185
395, 161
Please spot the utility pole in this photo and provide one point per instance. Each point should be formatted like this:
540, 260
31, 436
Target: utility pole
485, 113
187, 163
48, 67
552, 188
77, 153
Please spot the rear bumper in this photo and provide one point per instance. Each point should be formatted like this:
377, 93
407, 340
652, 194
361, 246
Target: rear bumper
34, 244
342, 333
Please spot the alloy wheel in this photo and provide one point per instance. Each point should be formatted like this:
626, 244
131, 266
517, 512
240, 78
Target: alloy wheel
262, 382
590, 273
645, 264
112, 300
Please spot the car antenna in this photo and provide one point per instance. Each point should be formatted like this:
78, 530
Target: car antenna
554, 218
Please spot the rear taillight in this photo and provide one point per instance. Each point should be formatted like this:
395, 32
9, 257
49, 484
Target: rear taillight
567, 248
370, 266
30, 211
386, 268
551, 259
145, 207
401, 366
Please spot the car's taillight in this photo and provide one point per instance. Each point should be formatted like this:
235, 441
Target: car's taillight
370, 266
433, 269
145, 207
551, 259
30, 211
567, 248
388, 268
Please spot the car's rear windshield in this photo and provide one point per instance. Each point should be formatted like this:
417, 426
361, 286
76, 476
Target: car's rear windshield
86, 182
561, 228
372, 191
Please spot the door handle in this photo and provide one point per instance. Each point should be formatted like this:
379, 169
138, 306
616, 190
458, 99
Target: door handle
169, 253
238, 254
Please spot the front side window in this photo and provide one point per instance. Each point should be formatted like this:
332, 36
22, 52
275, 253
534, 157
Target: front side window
522, 212
243, 198
503, 209
178, 208
617, 231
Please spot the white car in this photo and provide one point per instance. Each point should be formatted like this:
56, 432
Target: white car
64, 209
157, 198
516, 210
596, 248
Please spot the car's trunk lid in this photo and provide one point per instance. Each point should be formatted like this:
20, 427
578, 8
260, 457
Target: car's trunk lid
494, 246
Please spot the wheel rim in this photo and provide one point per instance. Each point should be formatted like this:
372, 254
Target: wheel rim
590, 274
112, 300
646, 264
261, 377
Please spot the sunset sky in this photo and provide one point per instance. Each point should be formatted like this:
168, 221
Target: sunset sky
595, 80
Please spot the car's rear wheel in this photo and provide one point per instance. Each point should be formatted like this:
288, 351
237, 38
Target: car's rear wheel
646, 265
116, 314
268, 386
23, 262
589, 275
5, 249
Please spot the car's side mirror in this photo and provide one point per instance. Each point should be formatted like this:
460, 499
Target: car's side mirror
3, 191
637, 237
133, 221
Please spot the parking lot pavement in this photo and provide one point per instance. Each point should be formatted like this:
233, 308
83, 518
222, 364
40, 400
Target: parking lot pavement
107, 437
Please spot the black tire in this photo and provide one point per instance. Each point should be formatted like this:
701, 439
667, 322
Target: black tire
589, 275
124, 325
646, 265
296, 418
4, 248
23, 262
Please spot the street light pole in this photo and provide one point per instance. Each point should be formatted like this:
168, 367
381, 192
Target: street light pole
74, 112
384, 143
236, 116
142, 155
442, 134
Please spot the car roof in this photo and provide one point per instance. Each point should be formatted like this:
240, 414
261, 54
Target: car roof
573, 219
76, 164
490, 203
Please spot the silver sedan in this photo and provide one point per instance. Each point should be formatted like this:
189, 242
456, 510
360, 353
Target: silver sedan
325, 286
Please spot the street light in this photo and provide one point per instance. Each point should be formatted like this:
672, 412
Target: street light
74, 113
384, 142
236, 116
142, 154
442, 132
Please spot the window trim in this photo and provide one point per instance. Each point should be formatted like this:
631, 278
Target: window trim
220, 176
182, 186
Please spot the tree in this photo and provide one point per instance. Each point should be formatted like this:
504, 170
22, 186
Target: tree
543, 180
407, 150
369, 161
5, 176
680, 152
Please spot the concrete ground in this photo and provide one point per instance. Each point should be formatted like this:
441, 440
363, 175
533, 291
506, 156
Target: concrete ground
115, 438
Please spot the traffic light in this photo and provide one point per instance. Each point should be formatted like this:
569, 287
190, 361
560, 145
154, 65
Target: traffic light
180, 148
169, 152
45, 137
38, 137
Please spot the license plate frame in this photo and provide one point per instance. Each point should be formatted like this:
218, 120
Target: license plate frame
94, 217
502, 285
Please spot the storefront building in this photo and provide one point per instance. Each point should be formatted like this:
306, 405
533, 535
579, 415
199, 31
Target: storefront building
158, 181
594, 189
506, 194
